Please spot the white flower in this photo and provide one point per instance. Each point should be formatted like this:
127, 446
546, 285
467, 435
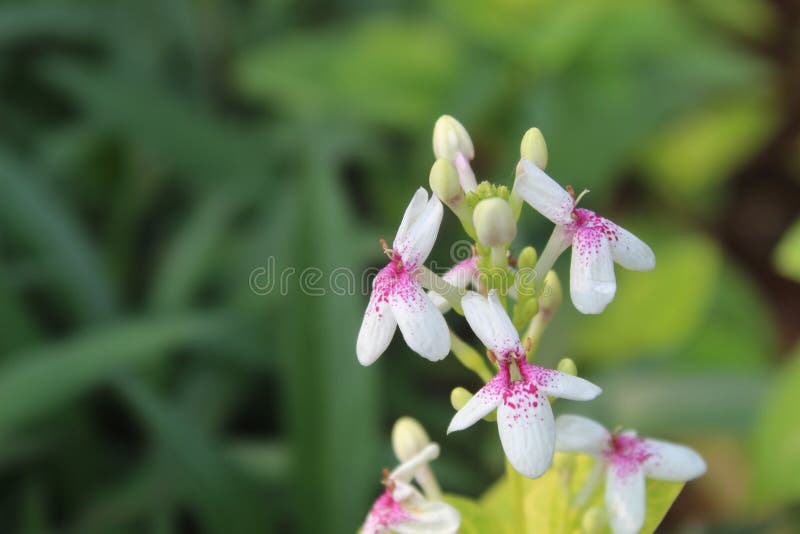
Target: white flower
524, 418
627, 459
460, 275
597, 242
397, 298
403, 509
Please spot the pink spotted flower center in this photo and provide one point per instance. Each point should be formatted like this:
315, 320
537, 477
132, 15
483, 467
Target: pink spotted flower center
627, 453
385, 512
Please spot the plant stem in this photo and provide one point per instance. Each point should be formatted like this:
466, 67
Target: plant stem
515, 481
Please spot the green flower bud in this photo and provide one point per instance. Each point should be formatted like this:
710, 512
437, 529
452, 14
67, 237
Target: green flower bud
459, 397
408, 438
444, 181
527, 258
552, 295
566, 365
494, 222
450, 137
533, 148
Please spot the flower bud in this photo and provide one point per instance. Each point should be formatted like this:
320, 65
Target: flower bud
459, 397
551, 297
444, 181
533, 148
566, 365
408, 438
451, 138
527, 258
494, 222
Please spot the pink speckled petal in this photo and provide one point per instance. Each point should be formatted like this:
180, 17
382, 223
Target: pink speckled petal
379, 324
672, 462
491, 323
386, 512
625, 499
544, 194
481, 404
415, 241
421, 323
592, 282
560, 384
527, 430
630, 251
580, 434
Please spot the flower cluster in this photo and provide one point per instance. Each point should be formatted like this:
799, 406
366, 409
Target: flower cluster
508, 307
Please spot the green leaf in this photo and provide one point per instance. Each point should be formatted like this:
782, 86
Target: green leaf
204, 476
549, 504
776, 442
654, 310
391, 70
787, 254
31, 212
476, 518
40, 380
696, 153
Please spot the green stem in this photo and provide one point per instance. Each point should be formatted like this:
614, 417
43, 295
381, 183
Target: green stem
515, 481
430, 280
469, 358
558, 243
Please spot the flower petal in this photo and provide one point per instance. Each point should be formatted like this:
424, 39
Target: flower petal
592, 282
625, 499
421, 323
527, 430
418, 231
673, 462
559, 384
405, 471
413, 210
580, 434
630, 251
481, 404
427, 517
378, 325
544, 194
491, 323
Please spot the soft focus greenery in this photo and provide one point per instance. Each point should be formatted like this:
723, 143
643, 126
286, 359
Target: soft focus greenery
154, 155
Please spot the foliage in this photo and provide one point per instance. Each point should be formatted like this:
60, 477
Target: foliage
154, 154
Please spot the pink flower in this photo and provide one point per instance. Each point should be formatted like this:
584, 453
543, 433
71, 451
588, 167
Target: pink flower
627, 459
524, 417
397, 298
596, 242
402, 508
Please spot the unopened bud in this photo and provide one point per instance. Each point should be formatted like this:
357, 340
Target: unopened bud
408, 438
451, 138
533, 148
444, 181
552, 295
459, 397
567, 366
527, 258
494, 222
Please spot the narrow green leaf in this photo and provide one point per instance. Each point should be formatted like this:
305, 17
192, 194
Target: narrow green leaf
39, 380
32, 213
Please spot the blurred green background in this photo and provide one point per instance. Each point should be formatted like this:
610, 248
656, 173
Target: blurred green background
154, 155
